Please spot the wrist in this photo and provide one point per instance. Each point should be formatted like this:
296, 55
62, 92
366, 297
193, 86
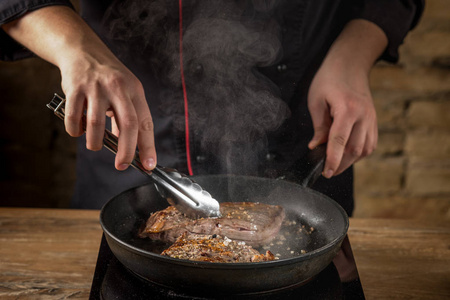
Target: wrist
84, 56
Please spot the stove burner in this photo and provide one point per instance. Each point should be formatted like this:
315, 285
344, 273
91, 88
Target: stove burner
113, 281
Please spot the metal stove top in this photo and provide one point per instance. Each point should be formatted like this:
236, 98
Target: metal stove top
113, 281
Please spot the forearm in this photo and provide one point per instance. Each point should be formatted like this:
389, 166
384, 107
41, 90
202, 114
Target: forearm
58, 35
358, 47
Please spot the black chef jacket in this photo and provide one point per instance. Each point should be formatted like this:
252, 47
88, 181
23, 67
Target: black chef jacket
306, 28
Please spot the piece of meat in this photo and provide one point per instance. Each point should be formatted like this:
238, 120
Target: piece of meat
214, 248
255, 223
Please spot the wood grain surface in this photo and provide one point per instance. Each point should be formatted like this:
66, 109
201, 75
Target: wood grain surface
51, 254
48, 253
402, 259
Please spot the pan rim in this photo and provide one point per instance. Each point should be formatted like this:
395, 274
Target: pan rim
251, 265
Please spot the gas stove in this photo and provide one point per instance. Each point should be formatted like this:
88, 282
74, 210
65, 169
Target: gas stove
113, 281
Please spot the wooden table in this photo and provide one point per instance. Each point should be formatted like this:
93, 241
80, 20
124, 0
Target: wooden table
51, 254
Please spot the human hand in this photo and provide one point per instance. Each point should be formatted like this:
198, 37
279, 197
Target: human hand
93, 80
339, 98
343, 115
108, 88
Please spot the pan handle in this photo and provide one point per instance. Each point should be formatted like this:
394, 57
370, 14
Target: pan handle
308, 169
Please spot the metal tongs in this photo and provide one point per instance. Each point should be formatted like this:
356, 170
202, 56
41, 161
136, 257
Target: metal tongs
179, 190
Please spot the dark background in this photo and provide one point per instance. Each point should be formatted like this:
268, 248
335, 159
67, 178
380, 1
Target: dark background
408, 176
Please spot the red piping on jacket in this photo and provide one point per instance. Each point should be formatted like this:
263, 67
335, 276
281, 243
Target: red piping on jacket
183, 83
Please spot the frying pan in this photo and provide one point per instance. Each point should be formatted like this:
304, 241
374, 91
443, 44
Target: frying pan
122, 217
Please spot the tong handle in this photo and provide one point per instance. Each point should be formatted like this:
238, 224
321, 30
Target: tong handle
110, 141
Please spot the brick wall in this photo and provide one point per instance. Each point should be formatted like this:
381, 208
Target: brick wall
409, 173
407, 176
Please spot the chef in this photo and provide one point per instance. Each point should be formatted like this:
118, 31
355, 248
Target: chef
242, 87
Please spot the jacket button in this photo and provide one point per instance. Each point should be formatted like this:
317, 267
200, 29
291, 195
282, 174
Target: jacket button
200, 158
281, 68
198, 71
270, 157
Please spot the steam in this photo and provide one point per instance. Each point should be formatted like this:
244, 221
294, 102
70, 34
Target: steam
231, 105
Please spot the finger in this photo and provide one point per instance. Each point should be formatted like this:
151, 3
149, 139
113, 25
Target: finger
321, 119
339, 134
373, 139
146, 140
114, 127
95, 123
354, 148
74, 109
127, 122
320, 136
110, 113
375, 143
370, 141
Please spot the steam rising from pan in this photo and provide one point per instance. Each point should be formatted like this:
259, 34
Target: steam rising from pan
231, 105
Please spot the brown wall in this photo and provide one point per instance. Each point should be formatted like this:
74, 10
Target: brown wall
37, 157
407, 176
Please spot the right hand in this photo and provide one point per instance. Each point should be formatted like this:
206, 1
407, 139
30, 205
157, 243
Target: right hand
93, 80
104, 86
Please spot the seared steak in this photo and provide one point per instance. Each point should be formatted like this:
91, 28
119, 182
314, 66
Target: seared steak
214, 248
255, 223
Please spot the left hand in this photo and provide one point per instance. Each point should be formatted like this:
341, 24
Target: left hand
339, 98
343, 115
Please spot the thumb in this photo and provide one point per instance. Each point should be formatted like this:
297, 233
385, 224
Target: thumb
320, 137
